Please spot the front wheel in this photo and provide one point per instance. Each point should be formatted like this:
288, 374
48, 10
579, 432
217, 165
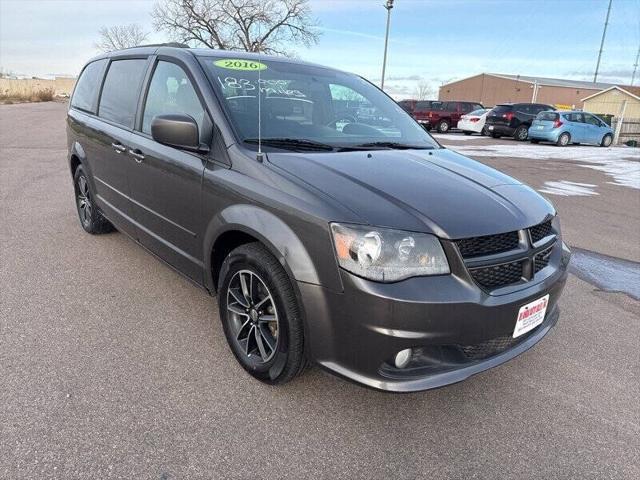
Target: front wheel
260, 315
443, 126
607, 140
521, 133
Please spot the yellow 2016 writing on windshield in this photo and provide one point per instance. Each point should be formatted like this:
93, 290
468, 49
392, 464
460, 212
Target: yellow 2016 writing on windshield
239, 64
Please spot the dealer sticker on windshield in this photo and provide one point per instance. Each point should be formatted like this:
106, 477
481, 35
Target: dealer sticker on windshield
530, 316
240, 64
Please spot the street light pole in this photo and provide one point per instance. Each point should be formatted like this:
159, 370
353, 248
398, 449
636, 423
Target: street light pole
388, 6
604, 34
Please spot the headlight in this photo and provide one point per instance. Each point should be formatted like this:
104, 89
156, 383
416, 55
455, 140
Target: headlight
387, 255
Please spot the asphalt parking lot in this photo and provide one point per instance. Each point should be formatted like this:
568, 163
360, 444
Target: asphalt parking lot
114, 366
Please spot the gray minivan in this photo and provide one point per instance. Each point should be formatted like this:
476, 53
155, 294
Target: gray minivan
331, 226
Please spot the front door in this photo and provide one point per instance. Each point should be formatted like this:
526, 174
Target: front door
165, 182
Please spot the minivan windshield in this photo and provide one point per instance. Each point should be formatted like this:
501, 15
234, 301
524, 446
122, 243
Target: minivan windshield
310, 108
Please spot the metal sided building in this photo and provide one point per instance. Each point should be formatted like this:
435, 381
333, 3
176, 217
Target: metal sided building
493, 88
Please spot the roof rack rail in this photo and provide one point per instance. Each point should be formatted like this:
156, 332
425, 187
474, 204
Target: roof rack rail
168, 44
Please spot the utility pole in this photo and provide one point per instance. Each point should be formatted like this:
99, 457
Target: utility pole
635, 66
604, 33
388, 6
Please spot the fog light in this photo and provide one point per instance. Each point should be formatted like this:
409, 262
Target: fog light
402, 358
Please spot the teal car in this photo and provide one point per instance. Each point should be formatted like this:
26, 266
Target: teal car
563, 128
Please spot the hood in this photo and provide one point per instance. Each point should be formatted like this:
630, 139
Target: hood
435, 191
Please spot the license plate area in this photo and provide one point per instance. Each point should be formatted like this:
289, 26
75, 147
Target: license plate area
530, 316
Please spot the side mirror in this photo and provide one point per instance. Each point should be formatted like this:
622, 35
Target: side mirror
177, 130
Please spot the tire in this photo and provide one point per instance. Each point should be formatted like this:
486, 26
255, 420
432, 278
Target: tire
443, 126
466, 132
563, 139
607, 140
484, 132
521, 133
534, 140
274, 349
495, 135
91, 218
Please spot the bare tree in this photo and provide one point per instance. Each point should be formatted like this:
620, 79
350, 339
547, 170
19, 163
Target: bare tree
424, 91
267, 26
120, 36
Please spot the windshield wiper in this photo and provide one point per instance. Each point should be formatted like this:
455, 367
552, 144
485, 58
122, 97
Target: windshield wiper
396, 145
292, 144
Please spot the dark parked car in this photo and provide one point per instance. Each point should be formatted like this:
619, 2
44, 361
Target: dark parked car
442, 115
366, 248
513, 119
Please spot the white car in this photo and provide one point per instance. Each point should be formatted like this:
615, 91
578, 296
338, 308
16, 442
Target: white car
474, 122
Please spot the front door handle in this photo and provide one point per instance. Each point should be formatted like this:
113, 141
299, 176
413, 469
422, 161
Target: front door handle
118, 147
137, 154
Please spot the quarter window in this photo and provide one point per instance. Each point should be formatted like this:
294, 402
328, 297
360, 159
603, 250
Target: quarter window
86, 90
171, 91
119, 97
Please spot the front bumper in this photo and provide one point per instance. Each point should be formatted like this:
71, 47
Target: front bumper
355, 334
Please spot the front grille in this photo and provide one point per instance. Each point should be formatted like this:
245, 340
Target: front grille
488, 245
486, 349
495, 276
540, 231
541, 260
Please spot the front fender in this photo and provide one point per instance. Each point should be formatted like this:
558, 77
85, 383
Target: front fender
269, 229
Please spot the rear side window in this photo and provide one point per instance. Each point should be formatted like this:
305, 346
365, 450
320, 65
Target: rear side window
119, 97
500, 109
86, 91
423, 105
547, 116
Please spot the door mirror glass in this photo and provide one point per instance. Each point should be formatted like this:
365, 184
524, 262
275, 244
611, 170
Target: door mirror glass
176, 130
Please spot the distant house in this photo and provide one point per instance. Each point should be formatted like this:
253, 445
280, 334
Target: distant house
610, 101
493, 88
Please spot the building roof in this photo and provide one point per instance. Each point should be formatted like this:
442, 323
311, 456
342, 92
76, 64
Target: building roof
631, 91
555, 82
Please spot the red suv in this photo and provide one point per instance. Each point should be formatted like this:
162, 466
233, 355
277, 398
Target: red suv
442, 115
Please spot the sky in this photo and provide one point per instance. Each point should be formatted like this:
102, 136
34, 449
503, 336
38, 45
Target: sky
436, 41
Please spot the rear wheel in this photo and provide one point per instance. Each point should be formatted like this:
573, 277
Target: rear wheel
260, 315
91, 218
607, 140
484, 132
563, 139
443, 126
521, 133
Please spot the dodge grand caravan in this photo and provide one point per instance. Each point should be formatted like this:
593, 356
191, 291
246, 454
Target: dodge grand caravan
358, 244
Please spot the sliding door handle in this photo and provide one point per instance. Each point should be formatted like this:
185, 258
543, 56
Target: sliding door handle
118, 147
137, 154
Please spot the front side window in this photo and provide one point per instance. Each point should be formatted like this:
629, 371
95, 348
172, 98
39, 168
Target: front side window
119, 97
171, 91
308, 103
591, 120
86, 90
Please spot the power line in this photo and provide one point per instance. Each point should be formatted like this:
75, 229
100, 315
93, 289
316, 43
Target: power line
604, 33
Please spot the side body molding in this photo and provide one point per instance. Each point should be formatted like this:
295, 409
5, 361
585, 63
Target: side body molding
279, 238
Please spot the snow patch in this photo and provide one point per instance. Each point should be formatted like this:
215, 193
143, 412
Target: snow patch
621, 163
457, 138
565, 188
